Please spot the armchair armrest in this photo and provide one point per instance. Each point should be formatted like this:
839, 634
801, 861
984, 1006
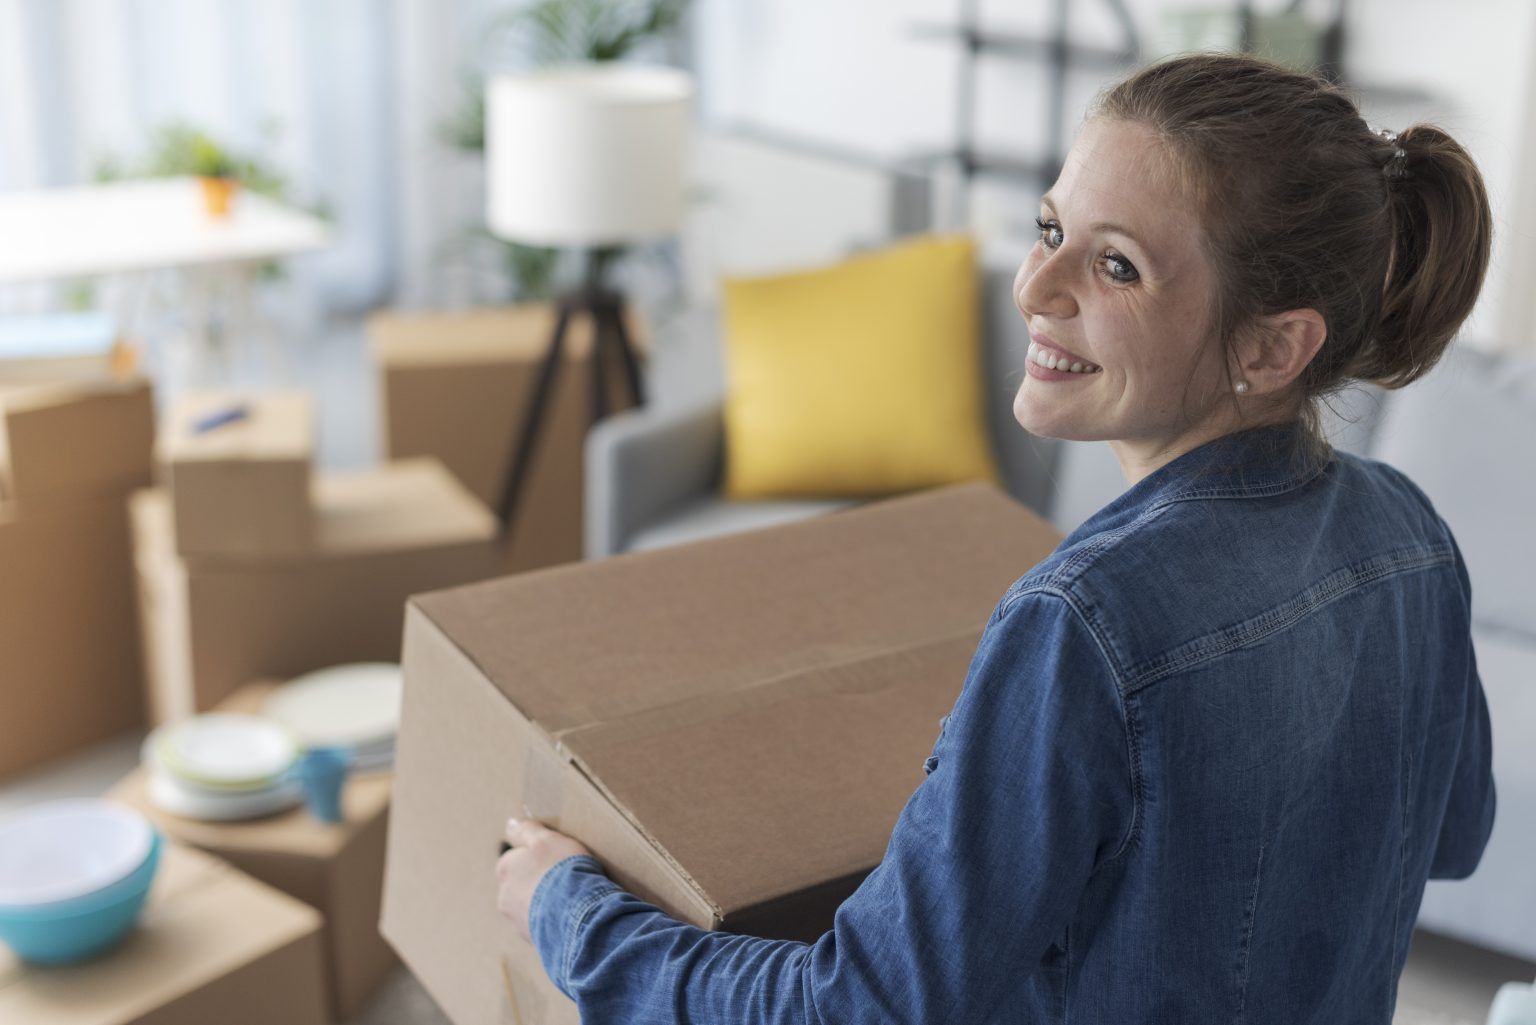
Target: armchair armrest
643, 462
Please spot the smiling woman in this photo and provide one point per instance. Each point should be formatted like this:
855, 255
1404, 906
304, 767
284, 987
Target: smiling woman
1210, 749
1232, 244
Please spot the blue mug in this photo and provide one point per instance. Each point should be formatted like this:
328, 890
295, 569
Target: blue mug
322, 774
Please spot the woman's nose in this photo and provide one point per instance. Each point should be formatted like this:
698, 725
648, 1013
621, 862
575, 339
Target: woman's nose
1042, 289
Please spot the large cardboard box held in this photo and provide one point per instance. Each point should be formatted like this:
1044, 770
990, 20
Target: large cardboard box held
213, 946
381, 535
732, 726
76, 440
242, 488
337, 869
456, 385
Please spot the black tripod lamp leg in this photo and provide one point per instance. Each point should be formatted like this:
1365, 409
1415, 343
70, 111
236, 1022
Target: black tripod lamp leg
533, 420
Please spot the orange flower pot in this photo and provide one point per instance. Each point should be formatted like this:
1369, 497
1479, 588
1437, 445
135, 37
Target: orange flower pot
218, 195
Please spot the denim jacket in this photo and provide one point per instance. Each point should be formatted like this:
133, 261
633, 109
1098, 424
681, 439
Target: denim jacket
1204, 759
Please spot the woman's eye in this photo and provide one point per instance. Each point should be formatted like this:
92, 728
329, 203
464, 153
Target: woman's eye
1050, 233
1120, 268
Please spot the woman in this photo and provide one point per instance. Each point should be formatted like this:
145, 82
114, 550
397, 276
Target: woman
1209, 750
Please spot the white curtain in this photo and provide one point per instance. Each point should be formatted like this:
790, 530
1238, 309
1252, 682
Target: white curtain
357, 90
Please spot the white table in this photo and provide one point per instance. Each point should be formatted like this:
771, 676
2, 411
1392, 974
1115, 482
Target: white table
142, 225
148, 225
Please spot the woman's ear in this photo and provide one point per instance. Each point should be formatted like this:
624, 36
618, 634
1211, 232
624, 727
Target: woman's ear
1280, 349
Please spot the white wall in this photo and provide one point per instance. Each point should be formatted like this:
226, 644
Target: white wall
850, 74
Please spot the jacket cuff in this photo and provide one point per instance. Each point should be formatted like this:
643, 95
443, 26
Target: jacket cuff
561, 905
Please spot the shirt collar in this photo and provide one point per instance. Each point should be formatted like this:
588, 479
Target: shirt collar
1251, 462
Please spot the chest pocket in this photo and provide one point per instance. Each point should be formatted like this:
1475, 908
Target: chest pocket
933, 759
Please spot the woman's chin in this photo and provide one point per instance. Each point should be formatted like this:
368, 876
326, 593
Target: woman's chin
1043, 423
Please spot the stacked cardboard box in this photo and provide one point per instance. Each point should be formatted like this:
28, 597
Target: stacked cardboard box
240, 488
455, 386
336, 869
213, 945
211, 624
649, 704
69, 456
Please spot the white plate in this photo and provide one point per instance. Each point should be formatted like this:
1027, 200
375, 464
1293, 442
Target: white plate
225, 750
354, 705
167, 793
62, 849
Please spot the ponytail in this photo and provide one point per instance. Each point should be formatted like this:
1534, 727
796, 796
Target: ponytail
1442, 233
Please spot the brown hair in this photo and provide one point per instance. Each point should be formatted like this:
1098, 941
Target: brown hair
1304, 206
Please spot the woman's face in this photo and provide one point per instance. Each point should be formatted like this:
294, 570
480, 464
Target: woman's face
1120, 278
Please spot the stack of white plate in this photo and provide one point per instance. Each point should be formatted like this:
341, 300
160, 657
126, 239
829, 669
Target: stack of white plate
355, 705
222, 766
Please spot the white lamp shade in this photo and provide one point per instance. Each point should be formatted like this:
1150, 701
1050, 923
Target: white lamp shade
586, 154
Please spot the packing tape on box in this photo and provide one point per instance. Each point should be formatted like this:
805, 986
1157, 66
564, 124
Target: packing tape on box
543, 773
542, 790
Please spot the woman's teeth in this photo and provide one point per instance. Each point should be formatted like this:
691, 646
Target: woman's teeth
1050, 361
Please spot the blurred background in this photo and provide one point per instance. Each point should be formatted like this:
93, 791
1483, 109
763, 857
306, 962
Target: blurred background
228, 201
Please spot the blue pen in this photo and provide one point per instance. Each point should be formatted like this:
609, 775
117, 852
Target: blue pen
220, 418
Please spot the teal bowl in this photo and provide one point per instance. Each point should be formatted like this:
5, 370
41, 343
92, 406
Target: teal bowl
80, 928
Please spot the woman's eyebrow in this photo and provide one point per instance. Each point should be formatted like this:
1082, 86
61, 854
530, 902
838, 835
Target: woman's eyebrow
1118, 229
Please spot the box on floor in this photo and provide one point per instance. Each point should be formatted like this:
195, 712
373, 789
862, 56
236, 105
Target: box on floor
241, 488
456, 385
210, 625
68, 458
646, 704
214, 945
338, 869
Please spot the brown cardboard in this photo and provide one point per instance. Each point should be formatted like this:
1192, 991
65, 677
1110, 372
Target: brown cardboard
732, 726
455, 386
336, 869
381, 535
213, 946
241, 489
68, 634
75, 440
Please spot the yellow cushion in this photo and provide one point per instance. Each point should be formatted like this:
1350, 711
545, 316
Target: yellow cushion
861, 379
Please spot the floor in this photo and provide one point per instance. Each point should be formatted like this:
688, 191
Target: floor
1444, 983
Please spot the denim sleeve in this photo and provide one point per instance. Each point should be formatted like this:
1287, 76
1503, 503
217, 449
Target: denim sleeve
1030, 791
1470, 807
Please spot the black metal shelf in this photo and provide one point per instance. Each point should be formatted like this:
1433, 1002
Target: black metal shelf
1024, 46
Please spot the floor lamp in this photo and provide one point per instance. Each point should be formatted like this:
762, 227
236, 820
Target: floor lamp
588, 156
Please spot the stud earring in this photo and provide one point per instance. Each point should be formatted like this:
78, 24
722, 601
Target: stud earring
1241, 387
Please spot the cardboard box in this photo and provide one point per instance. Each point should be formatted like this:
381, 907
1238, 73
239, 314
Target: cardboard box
213, 946
243, 488
455, 386
381, 535
649, 704
336, 869
69, 647
76, 440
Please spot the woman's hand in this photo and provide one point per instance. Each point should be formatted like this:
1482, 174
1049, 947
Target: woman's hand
535, 850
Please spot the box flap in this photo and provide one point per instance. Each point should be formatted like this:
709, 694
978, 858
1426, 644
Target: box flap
764, 792
580, 644
758, 705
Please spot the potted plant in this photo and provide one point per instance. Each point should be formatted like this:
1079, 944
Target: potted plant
215, 171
